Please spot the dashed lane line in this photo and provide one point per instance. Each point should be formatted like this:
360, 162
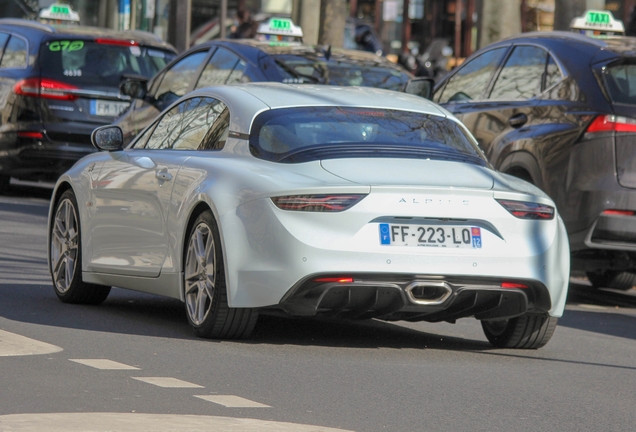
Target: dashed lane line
12, 344
167, 382
104, 364
230, 401
116, 422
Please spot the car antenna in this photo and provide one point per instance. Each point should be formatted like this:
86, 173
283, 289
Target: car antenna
327, 53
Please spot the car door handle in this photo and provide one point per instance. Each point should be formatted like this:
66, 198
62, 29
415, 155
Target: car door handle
163, 175
518, 120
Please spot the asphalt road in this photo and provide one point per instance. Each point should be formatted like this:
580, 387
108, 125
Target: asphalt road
132, 363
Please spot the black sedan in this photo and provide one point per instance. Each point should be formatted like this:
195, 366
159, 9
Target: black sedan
57, 84
246, 60
559, 110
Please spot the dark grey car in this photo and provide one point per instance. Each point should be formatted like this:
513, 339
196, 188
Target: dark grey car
559, 110
57, 84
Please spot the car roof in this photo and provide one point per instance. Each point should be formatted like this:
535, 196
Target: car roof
46, 30
621, 45
278, 95
249, 99
253, 49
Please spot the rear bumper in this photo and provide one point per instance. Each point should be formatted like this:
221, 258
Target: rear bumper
610, 244
591, 187
414, 298
41, 159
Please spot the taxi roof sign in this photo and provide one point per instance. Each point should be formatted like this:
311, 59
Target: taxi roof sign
596, 22
279, 29
59, 12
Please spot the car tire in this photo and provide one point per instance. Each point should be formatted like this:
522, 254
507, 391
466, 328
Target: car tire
205, 290
619, 280
65, 256
529, 331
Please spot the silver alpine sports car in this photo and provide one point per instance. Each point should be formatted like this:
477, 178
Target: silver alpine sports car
310, 200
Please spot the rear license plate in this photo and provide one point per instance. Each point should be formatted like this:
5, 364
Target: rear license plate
444, 236
107, 108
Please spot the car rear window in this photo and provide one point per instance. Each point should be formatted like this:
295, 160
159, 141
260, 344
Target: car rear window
296, 69
620, 82
82, 62
291, 135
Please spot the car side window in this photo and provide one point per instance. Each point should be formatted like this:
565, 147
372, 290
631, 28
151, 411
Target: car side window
15, 53
178, 79
217, 134
552, 73
236, 76
522, 75
471, 80
186, 125
219, 68
142, 138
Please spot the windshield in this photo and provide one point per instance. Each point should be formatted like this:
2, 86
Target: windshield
620, 82
296, 69
292, 135
83, 63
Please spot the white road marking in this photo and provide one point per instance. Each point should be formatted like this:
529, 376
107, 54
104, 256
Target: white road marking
167, 382
12, 344
104, 364
115, 422
230, 401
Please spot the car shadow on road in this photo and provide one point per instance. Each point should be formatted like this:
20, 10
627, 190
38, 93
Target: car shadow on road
136, 313
339, 333
124, 312
130, 312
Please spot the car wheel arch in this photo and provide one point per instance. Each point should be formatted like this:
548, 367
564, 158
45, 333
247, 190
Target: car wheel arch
521, 164
197, 209
55, 198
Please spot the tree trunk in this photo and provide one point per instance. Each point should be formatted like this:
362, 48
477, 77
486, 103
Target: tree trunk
500, 19
333, 16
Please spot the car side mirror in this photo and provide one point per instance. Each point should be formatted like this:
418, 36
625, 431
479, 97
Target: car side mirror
420, 87
134, 86
108, 138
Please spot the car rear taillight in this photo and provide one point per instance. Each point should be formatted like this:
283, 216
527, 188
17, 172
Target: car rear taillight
340, 279
611, 123
45, 88
513, 285
317, 203
31, 135
121, 42
619, 212
528, 210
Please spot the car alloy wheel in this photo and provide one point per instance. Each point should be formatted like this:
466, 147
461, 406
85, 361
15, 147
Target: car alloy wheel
65, 256
207, 307
200, 273
64, 245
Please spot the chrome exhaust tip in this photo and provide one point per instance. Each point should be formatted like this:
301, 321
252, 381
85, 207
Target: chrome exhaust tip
428, 292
